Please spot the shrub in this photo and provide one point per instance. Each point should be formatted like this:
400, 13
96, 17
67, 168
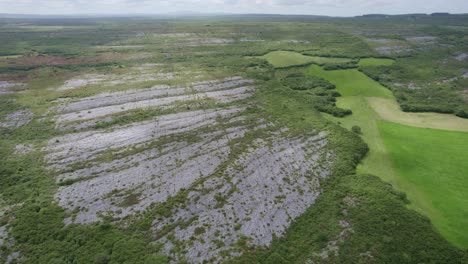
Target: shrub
343, 66
199, 230
356, 129
462, 113
102, 258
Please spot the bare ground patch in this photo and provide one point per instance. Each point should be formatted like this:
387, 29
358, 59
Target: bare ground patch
99, 107
7, 87
389, 46
138, 74
461, 56
41, 60
17, 119
194, 42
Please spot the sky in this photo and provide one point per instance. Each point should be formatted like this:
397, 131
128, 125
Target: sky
311, 7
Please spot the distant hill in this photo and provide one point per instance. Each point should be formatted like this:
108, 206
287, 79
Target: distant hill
199, 14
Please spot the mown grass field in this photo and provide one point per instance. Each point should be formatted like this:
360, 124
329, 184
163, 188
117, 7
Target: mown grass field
413, 168
355, 88
377, 161
283, 59
434, 165
351, 82
389, 110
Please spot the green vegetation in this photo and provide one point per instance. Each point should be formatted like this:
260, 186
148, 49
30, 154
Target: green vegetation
377, 161
381, 162
375, 62
356, 129
429, 165
428, 82
432, 165
389, 110
351, 82
285, 59
301, 82
317, 91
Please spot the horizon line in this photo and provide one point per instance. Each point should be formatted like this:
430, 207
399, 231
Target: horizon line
195, 13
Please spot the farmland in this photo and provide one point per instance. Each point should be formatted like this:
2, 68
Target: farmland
233, 139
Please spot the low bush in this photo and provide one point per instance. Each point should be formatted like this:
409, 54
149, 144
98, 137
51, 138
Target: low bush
356, 129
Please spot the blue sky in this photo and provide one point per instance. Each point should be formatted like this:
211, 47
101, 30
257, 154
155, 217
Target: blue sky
314, 7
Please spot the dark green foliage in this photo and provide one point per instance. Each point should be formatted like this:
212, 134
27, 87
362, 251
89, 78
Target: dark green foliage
333, 110
428, 82
42, 237
199, 231
342, 66
68, 182
298, 81
356, 129
318, 91
462, 113
130, 199
129, 251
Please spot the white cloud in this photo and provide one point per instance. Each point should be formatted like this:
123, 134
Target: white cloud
319, 7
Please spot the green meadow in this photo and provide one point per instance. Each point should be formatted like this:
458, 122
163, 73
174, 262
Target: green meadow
432, 165
355, 88
389, 110
351, 82
429, 165
284, 59
375, 62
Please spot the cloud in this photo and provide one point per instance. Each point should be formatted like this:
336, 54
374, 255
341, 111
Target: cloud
320, 7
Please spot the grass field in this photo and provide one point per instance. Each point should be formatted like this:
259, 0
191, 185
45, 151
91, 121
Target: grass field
388, 109
377, 161
282, 59
351, 82
355, 88
434, 165
375, 62
370, 103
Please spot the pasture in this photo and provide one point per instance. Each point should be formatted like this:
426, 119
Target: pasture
351, 82
427, 164
432, 165
389, 110
284, 59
